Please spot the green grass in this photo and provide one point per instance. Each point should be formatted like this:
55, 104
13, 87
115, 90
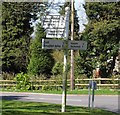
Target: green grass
80, 92
38, 108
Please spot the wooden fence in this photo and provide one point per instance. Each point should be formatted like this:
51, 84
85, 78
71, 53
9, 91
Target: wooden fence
79, 83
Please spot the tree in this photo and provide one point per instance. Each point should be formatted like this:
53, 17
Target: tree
41, 61
16, 31
102, 34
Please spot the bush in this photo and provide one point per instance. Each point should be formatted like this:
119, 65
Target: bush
22, 81
7, 76
83, 67
57, 69
41, 64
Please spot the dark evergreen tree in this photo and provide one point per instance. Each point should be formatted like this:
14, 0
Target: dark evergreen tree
16, 31
41, 61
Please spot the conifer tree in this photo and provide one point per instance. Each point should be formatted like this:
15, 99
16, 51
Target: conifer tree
41, 61
16, 31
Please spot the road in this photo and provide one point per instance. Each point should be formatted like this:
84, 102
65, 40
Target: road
109, 102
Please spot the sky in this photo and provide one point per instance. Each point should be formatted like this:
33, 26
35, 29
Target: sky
81, 14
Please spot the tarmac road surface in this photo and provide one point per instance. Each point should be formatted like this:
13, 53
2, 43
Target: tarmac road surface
107, 102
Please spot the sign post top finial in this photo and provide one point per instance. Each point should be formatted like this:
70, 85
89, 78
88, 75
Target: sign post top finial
67, 8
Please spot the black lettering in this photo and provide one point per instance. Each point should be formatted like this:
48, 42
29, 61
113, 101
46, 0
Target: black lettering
49, 45
58, 46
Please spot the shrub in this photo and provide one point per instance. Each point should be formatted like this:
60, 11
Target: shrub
58, 68
7, 76
22, 81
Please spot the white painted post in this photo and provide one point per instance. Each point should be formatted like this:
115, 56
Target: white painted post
65, 60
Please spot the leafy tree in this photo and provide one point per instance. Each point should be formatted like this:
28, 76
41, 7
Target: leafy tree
41, 61
102, 34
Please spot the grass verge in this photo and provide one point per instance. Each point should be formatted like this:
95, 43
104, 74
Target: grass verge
38, 108
80, 91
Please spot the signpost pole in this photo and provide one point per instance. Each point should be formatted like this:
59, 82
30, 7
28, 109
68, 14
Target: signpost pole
72, 51
93, 91
65, 61
89, 94
93, 98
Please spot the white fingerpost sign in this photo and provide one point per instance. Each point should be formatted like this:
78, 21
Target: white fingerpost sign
77, 45
54, 26
52, 44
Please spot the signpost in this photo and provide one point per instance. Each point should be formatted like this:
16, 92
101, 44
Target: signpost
92, 85
58, 27
65, 45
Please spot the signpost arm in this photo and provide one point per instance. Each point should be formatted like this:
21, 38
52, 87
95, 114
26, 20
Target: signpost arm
65, 61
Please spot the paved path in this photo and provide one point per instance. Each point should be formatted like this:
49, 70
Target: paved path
104, 102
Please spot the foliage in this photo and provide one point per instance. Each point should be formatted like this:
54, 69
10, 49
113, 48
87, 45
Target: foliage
102, 34
83, 66
16, 31
57, 69
41, 61
8, 76
58, 55
23, 81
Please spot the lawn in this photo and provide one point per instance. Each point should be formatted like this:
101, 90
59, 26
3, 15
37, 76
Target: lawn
79, 91
38, 108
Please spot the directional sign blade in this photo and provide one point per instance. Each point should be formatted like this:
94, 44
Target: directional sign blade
55, 33
52, 44
54, 26
77, 45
